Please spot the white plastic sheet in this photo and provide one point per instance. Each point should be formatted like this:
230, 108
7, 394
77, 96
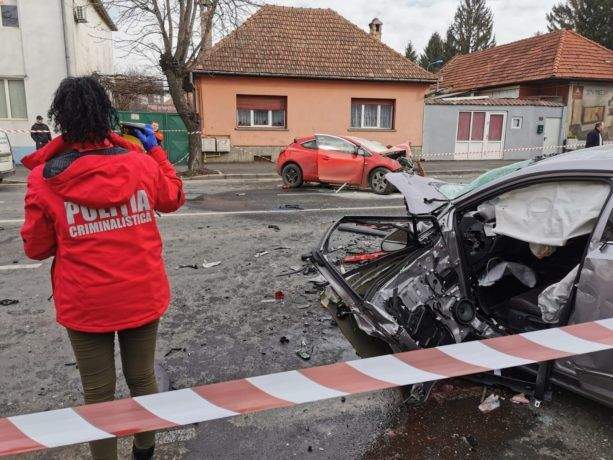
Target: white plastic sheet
494, 274
550, 213
553, 298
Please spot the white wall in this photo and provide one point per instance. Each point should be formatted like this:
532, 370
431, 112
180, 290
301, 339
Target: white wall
35, 52
441, 121
511, 92
92, 43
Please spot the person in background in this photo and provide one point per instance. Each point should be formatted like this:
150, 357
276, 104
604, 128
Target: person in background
40, 132
159, 135
594, 137
90, 204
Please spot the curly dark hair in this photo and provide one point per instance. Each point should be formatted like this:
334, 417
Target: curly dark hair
82, 111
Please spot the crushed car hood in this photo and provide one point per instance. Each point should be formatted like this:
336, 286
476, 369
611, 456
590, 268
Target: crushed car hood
422, 194
398, 151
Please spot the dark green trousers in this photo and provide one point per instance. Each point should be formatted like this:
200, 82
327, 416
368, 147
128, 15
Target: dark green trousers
95, 356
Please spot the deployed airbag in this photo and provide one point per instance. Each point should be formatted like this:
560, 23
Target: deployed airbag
550, 213
553, 298
494, 274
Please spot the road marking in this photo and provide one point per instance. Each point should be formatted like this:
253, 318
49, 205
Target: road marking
302, 193
355, 194
19, 266
11, 221
261, 211
277, 211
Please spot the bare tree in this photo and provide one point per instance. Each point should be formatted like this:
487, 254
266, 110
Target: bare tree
172, 34
127, 88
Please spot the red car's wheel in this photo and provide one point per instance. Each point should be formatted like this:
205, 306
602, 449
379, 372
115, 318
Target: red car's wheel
292, 175
378, 183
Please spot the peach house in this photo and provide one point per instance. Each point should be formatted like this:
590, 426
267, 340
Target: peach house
292, 72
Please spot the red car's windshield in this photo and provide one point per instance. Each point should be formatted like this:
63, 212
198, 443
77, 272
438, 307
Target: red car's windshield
370, 145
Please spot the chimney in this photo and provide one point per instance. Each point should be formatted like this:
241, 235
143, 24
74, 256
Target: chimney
375, 28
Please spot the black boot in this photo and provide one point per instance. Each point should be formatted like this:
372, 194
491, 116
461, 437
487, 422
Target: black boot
142, 454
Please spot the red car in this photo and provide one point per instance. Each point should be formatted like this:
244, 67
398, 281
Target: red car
340, 160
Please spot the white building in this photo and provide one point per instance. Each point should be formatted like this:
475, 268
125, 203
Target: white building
42, 42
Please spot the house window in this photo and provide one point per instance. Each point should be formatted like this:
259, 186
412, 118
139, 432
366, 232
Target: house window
261, 111
516, 122
372, 113
12, 99
9, 16
472, 126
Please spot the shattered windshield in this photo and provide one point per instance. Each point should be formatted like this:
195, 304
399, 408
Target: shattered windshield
452, 191
373, 146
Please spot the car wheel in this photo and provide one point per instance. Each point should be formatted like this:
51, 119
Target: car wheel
292, 175
378, 183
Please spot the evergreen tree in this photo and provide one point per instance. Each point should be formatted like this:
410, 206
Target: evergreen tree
433, 51
410, 53
449, 50
472, 27
590, 18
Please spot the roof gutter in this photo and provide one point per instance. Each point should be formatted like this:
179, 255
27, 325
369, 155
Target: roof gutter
104, 14
549, 78
311, 77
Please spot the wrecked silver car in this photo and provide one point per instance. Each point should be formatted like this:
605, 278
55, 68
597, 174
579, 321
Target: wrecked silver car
525, 247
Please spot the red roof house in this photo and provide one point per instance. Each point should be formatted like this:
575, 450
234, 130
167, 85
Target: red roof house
561, 65
290, 72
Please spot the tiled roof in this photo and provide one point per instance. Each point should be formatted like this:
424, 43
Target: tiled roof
561, 54
490, 101
307, 43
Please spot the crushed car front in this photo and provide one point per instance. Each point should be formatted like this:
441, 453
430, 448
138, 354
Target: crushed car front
400, 278
437, 274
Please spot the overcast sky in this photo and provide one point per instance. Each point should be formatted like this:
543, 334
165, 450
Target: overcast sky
416, 20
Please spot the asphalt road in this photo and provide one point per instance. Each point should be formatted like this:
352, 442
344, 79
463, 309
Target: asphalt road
217, 329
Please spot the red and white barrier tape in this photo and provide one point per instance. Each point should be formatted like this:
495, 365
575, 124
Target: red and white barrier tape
23, 131
544, 149
28, 131
457, 155
61, 427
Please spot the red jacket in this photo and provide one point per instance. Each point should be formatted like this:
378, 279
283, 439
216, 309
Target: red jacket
92, 207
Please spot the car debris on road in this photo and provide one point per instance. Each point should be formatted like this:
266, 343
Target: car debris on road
303, 352
7, 302
492, 402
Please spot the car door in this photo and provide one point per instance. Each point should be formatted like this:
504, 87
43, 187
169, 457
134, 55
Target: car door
6, 156
338, 161
594, 301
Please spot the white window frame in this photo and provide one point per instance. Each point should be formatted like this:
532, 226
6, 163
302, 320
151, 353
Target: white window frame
269, 119
11, 3
378, 126
463, 150
4, 82
521, 122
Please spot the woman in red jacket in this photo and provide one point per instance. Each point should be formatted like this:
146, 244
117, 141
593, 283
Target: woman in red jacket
90, 204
